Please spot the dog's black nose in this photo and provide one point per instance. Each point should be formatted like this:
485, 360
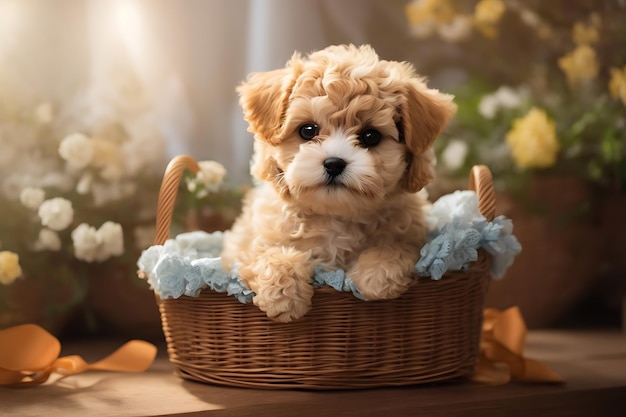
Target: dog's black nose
334, 166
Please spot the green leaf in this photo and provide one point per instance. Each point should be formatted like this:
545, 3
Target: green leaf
611, 148
586, 120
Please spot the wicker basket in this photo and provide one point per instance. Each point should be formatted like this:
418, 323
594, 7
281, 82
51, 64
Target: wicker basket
429, 334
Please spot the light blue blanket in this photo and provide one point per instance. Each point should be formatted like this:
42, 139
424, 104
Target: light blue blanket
190, 262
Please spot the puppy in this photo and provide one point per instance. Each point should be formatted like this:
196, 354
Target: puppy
342, 145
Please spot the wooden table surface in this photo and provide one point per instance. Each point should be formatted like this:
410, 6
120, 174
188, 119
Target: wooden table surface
592, 362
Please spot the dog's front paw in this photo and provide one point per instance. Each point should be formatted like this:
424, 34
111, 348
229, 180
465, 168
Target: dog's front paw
281, 277
282, 307
382, 274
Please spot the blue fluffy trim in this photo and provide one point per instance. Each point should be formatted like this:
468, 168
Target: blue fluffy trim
190, 262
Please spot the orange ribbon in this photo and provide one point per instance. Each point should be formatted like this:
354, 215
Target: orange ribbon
502, 351
29, 355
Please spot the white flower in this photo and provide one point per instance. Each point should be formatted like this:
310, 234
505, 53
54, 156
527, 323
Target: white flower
77, 150
209, 178
48, 240
509, 98
504, 97
460, 28
44, 113
192, 185
211, 174
86, 242
84, 184
98, 245
454, 154
112, 239
56, 213
488, 106
32, 197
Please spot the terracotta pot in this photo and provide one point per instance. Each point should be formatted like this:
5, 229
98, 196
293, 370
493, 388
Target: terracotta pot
562, 247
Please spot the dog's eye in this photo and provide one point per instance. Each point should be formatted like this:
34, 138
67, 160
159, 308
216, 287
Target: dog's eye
369, 138
308, 131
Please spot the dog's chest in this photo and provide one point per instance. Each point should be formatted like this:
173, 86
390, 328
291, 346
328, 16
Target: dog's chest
337, 242
333, 243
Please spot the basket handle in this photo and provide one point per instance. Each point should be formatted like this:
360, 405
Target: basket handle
481, 181
167, 194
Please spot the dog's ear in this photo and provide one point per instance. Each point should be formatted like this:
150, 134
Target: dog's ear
424, 113
264, 97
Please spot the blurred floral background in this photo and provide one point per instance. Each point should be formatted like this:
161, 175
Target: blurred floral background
78, 198
541, 95
544, 90
76, 181
96, 96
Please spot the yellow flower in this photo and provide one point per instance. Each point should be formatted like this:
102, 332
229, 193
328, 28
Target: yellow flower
533, 140
10, 269
579, 65
108, 157
584, 35
429, 11
486, 14
489, 11
104, 152
617, 84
